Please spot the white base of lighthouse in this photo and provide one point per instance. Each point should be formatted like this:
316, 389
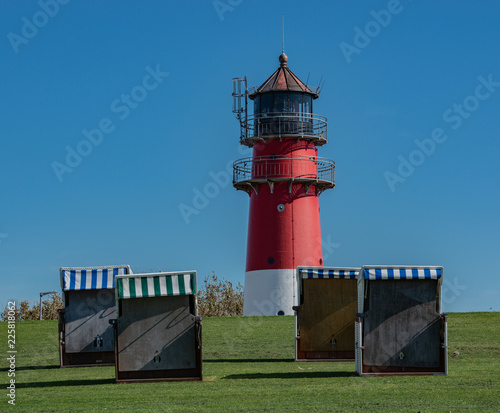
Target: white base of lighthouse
269, 292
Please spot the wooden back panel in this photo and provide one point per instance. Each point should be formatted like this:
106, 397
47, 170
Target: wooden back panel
327, 314
156, 333
87, 315
402, 327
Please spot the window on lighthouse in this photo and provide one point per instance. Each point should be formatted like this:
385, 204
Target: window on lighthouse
306, 106
278, 113
282, 103
296, 102
263, 104
256, 105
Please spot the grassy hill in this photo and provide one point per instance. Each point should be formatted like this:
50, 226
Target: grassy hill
248, 366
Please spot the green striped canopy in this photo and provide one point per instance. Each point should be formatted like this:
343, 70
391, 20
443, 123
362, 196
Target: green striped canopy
156, 285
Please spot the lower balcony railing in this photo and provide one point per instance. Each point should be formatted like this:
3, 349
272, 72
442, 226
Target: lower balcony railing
249, 172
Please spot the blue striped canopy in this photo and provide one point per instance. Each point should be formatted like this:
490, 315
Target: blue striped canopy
340, 273
91, 278
403, 273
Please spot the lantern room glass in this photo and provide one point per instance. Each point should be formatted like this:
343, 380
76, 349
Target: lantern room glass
287, 102
283, 113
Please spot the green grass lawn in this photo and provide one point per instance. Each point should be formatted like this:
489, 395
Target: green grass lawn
248, 366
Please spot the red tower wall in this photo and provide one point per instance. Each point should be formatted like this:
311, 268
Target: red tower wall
284, 239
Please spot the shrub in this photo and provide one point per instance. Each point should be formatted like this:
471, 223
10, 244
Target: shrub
25, 312
218, 298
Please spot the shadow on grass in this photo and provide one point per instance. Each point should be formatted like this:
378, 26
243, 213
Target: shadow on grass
297, 375
64, 383
247, 360
53, 366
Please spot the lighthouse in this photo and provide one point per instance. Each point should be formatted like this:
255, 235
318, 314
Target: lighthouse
283, 178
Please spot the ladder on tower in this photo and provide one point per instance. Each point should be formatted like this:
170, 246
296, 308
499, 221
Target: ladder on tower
240, 104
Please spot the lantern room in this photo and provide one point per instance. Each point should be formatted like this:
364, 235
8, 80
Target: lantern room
283, 108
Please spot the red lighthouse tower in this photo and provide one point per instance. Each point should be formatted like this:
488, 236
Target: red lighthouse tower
284, 178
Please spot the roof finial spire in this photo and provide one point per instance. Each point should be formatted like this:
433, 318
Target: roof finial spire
283, 57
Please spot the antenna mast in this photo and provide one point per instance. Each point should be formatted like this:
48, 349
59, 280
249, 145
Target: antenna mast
283, 32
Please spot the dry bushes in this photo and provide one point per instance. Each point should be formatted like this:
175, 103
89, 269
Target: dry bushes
218, 298
25, 312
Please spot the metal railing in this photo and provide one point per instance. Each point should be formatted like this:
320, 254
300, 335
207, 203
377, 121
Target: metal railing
263, 126
284, 168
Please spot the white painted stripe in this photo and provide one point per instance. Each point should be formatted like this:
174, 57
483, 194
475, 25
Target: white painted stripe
151, 287
163, 285
175, 285
88, 280
187, 283
384, 273
109, 281
66, 280
98, 283
77, 281
126, 287
138, 287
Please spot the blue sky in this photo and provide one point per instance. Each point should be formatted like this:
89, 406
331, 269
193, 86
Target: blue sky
412, 97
